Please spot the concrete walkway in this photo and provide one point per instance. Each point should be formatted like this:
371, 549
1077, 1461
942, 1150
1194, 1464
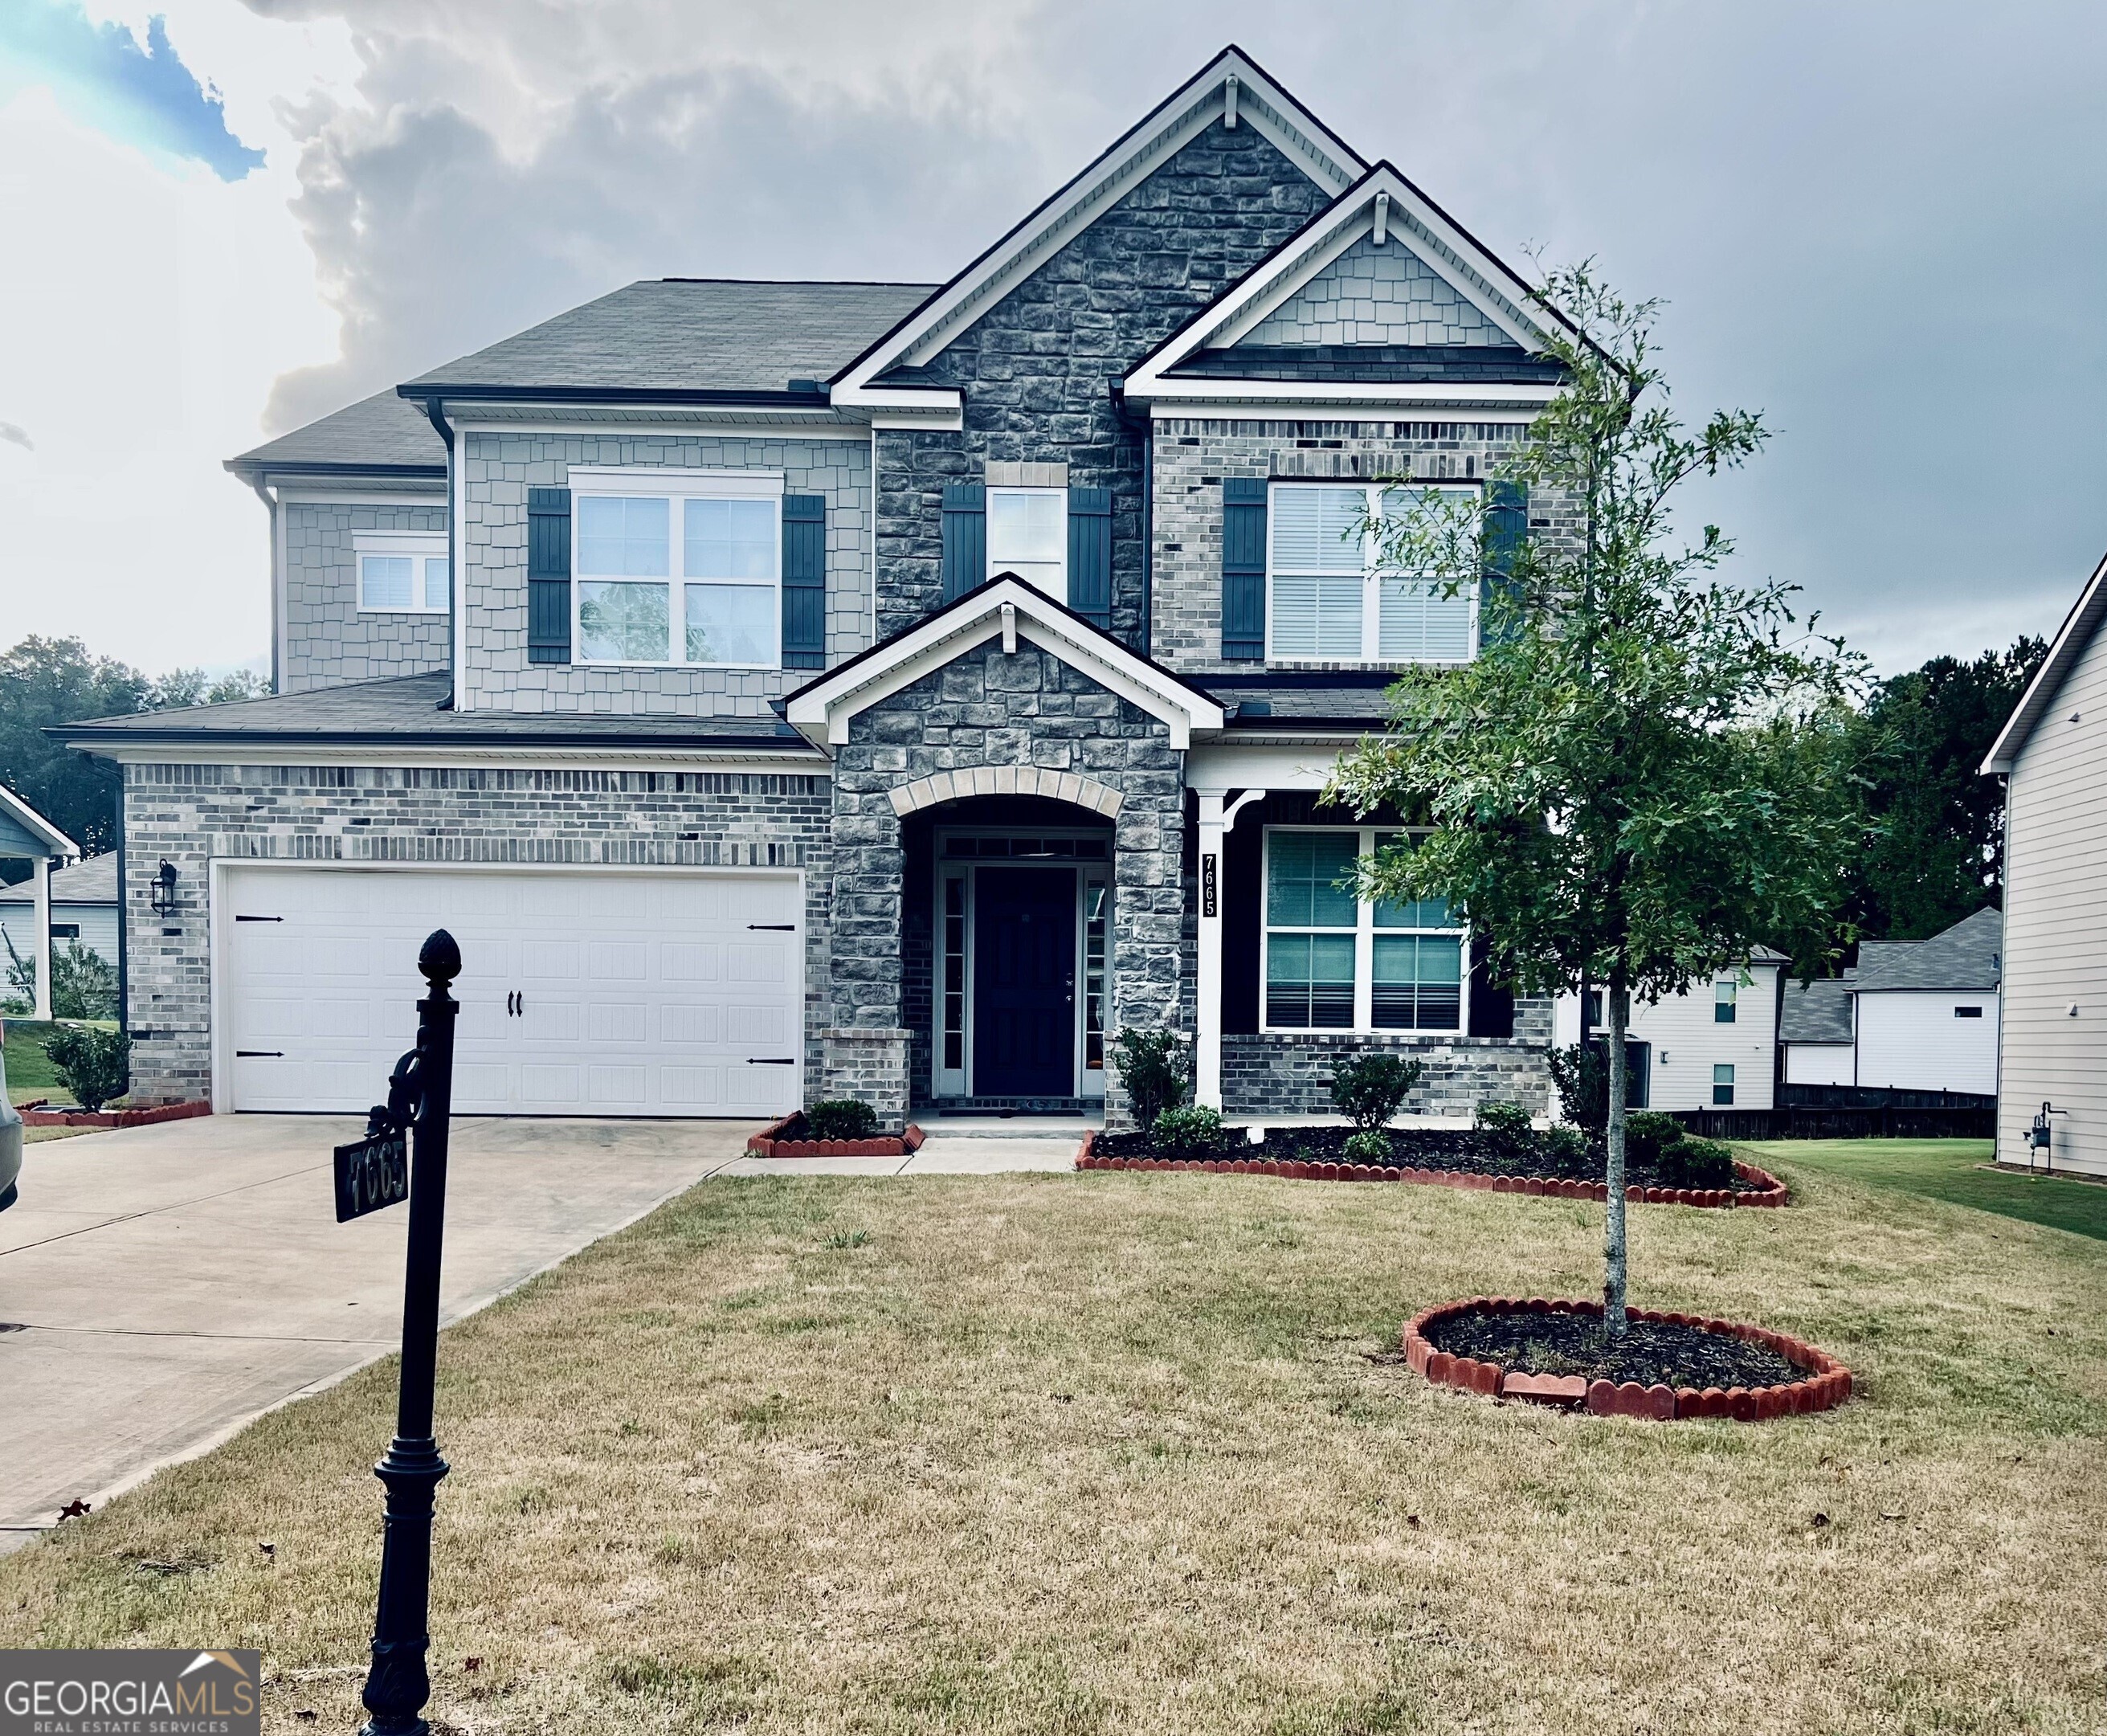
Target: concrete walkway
159, 1287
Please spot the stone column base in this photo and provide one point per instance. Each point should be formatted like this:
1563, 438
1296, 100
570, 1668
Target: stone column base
869, 1064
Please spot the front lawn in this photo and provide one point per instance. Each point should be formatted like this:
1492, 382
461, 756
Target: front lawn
1136, 1453
29, 1074
1955, 1171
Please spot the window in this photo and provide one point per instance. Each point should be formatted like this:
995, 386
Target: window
402, 573
1968, 1012
1027, 534
1327, 601
1723, 1086
1723, 1003
681, 568
66, 931
1335, 962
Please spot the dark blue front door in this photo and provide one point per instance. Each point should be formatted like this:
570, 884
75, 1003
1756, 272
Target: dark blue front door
1024, 983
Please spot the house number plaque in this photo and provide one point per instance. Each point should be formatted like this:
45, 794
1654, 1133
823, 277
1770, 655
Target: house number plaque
1207, 883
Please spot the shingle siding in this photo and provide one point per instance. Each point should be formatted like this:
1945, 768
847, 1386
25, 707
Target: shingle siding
328, 640
1372, 294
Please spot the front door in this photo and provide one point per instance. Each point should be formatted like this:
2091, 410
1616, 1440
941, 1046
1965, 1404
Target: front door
1024, 983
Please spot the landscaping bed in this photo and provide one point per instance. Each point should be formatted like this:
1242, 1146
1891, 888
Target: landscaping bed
40, 1113
790, 1137
1665, 1366
1434, 1156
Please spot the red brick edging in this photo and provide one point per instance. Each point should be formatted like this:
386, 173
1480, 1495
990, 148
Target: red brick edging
765, 1144
34, 1117
1828, 1383
1773, 1191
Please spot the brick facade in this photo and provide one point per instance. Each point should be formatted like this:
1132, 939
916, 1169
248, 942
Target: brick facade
194, 815
328, 638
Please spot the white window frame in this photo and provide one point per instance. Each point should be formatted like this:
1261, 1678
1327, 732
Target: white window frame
415, 545
1365, 933
675, 487
1372, 574
1727, 992
995, 567
1718, 1085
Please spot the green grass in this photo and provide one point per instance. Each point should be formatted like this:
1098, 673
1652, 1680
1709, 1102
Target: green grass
30, 1073
1950, 1170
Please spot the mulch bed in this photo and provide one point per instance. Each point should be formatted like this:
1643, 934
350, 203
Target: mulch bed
790, 1138
1668, 1366
1430, 1156
37, 1115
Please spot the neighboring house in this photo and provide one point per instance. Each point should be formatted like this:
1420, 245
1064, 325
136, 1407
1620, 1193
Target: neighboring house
1714, 1046
2052, 754
1918, 1015
784, 690
27, 836
84, 898
1816, 1029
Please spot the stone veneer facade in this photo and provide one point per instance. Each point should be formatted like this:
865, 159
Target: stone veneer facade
987, 708
498, 469
194, 815
1278, 1074
328, 639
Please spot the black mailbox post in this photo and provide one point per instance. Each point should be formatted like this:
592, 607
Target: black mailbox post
369, 1176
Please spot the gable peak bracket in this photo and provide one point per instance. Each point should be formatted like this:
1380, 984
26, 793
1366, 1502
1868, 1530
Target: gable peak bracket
1382, 218
1229, 101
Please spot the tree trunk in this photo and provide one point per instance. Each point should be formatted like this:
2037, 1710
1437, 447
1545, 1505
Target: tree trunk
1613, 1234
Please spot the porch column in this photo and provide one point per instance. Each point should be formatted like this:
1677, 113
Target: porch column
41, 914
1215, 822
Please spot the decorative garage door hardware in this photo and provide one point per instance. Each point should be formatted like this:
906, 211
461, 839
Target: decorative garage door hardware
515, 1003
259, 1054
259, 919
1827, 1382
420, 1103
773, 928
1771, 1191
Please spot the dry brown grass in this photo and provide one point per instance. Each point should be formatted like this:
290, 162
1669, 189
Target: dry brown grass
1128, 1453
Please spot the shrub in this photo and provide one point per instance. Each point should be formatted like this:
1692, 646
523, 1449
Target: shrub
1564, 1152
1368, 1145
1155, 1069
84, 984
1697, 1164
1505, 1129
1370, 1089
1647, 1134
840, 1118
1187, 1131
1582, 1075
94, 1065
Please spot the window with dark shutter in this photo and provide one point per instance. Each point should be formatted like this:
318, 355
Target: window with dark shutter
965, 538
1091, 554
1506, 523
804, 581
1243, 568
548, 575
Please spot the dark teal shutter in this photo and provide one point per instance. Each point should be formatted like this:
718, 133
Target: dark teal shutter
1091, 554
965, 538
1243, 568
548, 575
1506, 524
804, 581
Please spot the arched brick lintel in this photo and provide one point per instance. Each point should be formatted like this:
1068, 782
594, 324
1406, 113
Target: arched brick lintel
1006, 780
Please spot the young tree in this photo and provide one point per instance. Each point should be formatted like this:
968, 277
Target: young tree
1644, 772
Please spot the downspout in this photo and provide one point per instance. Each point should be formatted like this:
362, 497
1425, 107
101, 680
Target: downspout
1149, 542
457, 578
277, 598
125, 903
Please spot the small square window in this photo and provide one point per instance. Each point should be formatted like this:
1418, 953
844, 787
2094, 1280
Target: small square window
1968, 1012
1723, 1003
1723, 1086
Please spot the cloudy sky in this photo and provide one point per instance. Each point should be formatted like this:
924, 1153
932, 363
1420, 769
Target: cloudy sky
1882, 224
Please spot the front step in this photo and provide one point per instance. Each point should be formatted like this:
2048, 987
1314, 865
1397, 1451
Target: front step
1088, 1108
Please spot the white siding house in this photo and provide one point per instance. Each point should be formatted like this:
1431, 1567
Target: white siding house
1816, 1027
1713, 1047
2052, 753
83, 908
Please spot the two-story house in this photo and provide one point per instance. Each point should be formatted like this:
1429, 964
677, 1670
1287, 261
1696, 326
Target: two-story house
889, 690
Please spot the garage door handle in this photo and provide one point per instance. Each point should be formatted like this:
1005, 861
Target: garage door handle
773, 928
259, 919
244, 1055
771, 1060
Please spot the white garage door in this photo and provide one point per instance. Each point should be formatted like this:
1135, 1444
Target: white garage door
581, 994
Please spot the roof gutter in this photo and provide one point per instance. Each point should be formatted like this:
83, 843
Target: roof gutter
431, 394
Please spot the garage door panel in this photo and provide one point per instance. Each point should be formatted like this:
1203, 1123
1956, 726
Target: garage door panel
639, 994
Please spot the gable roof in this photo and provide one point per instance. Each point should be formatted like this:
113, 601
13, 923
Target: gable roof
1818, 1011
90, 881
685, 338
1232, 88
2064, 649
379, 436
1968, 955
25, 832
1204, 356
1008, 608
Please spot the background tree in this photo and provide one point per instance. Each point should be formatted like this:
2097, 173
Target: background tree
45, 682
1645, 770
1935, 849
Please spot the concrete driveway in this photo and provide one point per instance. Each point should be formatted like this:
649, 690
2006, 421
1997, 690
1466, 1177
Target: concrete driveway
160, 1286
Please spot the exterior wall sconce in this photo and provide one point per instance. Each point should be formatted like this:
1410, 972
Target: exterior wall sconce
162, 894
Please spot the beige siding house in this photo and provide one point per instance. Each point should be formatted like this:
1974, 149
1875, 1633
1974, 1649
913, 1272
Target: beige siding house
2052, 754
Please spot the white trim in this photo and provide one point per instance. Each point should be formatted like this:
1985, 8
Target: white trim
217, 932
434, 499
281, 627
35, 825
1244, 763
416, 546
651, 480
457, 589
797, 762
1189, 111
1372, 575
1365, 934
821, 711
851, 429
995, 567
1304, 400
2070, 640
